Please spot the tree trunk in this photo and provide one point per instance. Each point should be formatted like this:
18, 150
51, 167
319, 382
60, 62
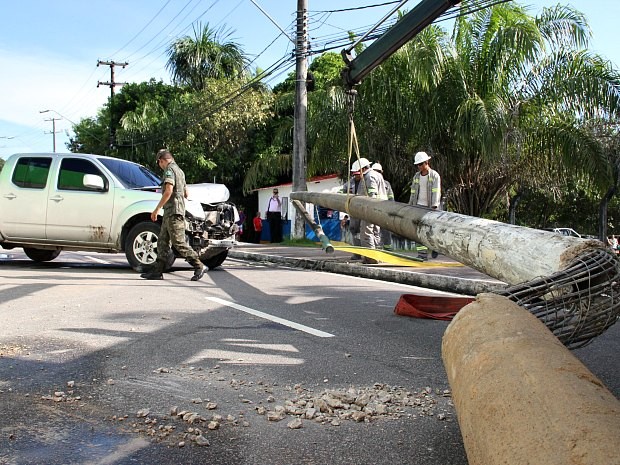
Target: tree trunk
602, 214
512, 207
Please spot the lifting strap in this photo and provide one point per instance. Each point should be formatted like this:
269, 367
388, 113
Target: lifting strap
353, 144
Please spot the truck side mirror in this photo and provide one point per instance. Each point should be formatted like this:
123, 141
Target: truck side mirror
94, 182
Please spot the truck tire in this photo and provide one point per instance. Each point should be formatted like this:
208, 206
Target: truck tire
141, 246
41, 255
216, 260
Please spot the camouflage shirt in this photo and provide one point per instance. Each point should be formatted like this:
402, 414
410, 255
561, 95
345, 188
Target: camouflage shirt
176, 203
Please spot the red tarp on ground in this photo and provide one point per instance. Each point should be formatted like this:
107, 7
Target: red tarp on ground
438, 308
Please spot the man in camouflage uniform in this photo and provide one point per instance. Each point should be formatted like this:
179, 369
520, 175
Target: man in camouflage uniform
173, 195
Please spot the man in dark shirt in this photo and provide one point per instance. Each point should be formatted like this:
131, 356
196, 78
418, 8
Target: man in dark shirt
274, 216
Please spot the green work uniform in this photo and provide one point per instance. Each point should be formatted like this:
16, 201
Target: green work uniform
173, 223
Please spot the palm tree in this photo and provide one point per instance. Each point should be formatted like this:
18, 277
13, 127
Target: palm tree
207, 55
528, 88
501, 103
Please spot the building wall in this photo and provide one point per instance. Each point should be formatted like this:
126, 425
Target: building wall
326, 184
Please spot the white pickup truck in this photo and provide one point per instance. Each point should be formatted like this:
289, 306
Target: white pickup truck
66, 201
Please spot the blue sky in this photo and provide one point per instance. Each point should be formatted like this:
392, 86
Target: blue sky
49, 49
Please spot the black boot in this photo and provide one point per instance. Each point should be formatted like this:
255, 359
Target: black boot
153, 271
152, 275
199, 272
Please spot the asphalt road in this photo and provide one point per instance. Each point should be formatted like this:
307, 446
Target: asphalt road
93, 360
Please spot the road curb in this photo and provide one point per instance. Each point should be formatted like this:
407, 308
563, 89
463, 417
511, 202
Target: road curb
453, 284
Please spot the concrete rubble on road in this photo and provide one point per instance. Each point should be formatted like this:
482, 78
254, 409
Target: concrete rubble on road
330, 407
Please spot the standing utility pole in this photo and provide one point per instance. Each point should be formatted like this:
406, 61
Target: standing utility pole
53, 120
112, 84
301, 110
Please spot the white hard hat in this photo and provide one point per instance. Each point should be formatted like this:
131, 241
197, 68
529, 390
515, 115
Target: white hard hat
420, 157
377, 167
359, 164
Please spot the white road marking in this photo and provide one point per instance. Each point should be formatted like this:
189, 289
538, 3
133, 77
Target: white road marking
98, 260
275, 319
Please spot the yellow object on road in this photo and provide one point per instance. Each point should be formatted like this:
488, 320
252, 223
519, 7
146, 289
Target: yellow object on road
392, 258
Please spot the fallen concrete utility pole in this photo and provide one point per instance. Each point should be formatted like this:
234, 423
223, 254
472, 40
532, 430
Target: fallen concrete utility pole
568, 283
510, 253
522, 398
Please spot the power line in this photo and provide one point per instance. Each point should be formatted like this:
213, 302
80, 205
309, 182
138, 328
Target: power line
222, 102
166, 39
354, 8
327, 43
159, 32
143, 28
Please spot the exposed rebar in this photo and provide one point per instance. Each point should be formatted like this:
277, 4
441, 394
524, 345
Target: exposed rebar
578, 303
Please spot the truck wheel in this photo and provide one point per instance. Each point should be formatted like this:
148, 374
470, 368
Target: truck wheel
41, 255
216, 260
141, 246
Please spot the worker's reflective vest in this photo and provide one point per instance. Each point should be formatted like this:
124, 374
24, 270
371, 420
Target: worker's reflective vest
373, 185
388, 188
434, 189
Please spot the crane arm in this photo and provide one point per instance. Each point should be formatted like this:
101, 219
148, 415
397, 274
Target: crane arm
410, 25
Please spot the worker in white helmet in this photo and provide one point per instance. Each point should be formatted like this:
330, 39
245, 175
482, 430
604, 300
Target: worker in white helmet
426, 186
372, 185
385, 240
353, 188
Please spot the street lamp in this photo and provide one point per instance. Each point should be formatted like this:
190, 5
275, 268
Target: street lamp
53, 120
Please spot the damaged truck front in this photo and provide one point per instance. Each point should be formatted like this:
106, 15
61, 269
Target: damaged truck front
64, 201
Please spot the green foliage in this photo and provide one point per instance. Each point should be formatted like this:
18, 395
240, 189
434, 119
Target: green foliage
273, 162
208, 132
92, 135
300, 242
325, 69
574, 205
211, 132
507, 104
500, 105
193, 61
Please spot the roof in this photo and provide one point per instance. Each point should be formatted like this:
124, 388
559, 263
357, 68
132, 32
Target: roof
315, 179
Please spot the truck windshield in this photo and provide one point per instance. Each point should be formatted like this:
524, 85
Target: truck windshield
132, 175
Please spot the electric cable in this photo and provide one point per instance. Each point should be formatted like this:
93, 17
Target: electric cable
221, 102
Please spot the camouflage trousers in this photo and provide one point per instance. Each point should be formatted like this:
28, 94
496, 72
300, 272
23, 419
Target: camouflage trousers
172, 233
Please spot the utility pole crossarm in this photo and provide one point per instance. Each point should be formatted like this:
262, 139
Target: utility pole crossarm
53, 120
410, 25
112, 83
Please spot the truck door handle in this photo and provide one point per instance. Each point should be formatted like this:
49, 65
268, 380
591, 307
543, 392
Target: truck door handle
57, 198
10, 196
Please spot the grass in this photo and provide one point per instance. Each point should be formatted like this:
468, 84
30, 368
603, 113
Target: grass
300, 242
